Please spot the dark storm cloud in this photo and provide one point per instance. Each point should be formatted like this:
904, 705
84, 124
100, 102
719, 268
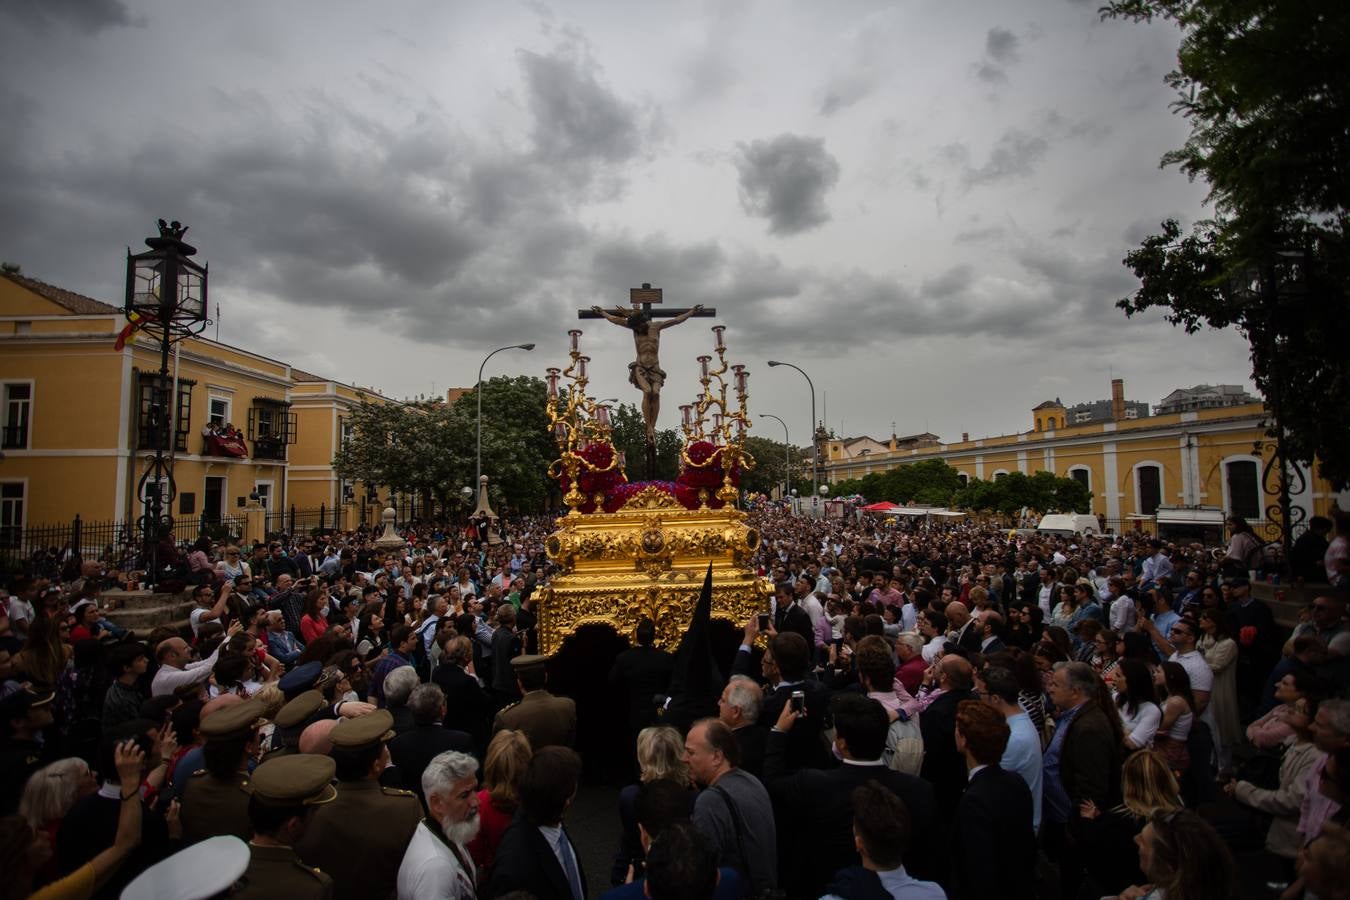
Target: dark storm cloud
845, 90
82, 15
1001, 45
956, 280
1000, 52
1015, 155
785, 179
576, 118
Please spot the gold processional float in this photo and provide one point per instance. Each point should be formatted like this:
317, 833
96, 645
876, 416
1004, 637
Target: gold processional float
628, 550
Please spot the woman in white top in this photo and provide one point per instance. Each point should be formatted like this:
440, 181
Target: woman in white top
230, 567
1178, 715
1137, 700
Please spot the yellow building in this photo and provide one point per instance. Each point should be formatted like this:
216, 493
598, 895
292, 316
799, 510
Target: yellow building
76, 431
1209, 457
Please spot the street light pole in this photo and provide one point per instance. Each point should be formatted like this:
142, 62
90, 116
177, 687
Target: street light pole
815, 454
478, 389
787, 454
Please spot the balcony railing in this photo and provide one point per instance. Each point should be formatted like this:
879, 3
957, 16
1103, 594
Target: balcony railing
269, 448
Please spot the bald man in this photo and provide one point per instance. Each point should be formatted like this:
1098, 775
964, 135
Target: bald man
177, 668
943, 765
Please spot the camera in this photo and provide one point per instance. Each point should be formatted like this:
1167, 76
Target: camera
763, 621
798, 702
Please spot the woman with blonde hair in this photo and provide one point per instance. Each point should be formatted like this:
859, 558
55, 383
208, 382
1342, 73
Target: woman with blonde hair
52, 790
504, 765
660, 754
1108, 841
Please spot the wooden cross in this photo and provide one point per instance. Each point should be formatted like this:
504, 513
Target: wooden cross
643, 298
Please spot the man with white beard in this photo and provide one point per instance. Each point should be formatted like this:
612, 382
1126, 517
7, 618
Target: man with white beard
437, 865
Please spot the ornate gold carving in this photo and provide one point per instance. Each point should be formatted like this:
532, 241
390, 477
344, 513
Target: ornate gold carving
651, 498
619, 567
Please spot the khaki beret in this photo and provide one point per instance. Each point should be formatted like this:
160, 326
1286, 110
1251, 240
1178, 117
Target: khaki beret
300, 778
235, 720
528, 661
299, 710
363, 731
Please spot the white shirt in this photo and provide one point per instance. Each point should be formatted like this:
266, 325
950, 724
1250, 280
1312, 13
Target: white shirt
1046, 596
431, 871
1202, 679
811, 603
1123, 614
933, 648
168, 679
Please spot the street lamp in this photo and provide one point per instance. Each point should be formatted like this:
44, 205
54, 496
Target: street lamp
165, 297
478, 389
787, 454
815, 454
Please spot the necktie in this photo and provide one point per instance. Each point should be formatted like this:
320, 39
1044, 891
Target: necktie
569, 863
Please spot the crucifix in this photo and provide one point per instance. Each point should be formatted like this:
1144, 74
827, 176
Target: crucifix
645, 373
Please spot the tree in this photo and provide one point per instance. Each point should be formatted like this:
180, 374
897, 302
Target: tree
629, 434
1043, 492
928, 483
1263, 86
428, 448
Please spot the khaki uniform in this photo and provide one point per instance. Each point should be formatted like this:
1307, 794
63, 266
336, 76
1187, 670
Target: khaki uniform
546, 720
213, 807
278, 872
359, 839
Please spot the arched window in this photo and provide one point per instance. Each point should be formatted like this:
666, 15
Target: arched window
1148, 488
1242, 482
1082, 475
1001, 473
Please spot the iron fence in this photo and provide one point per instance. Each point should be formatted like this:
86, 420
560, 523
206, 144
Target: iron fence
49, 548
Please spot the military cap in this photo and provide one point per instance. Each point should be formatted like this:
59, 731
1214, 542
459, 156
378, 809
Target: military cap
21, 701
300, 679
363, 730
233, 721
206, 869
528, 661
297, 711
298, 779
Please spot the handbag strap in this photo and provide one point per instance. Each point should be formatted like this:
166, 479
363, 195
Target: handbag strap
737, 825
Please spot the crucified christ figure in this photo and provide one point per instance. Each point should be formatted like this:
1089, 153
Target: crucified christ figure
646, 373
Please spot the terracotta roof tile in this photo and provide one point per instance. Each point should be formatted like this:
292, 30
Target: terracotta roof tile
77, 304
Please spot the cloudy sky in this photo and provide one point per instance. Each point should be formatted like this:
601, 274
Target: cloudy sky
922, 204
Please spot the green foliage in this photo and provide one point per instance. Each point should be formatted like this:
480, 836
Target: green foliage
429, 448
928, 483
630, 436
1262, 84
1043, 492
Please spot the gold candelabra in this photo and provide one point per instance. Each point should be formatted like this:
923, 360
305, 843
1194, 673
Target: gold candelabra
577, 421
725, 427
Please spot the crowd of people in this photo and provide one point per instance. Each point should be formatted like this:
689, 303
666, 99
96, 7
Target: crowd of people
952, 710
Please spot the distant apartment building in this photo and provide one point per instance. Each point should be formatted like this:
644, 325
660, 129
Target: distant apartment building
1203, 396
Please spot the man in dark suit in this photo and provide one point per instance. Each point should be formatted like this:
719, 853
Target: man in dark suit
824, 797
1082, 762
943, 765
535, 854
468, 708
990, 626
545, 719
788, 616
965, 631
738, 708
994, 843
643, 672
784, 667
413, 749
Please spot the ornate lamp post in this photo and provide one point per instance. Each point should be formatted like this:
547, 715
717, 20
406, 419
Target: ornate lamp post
815, 453
787, 454
1265, 290
478, 390
165, 298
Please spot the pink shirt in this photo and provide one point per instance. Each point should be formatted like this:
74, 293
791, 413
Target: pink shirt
1317, 808
1270, 730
